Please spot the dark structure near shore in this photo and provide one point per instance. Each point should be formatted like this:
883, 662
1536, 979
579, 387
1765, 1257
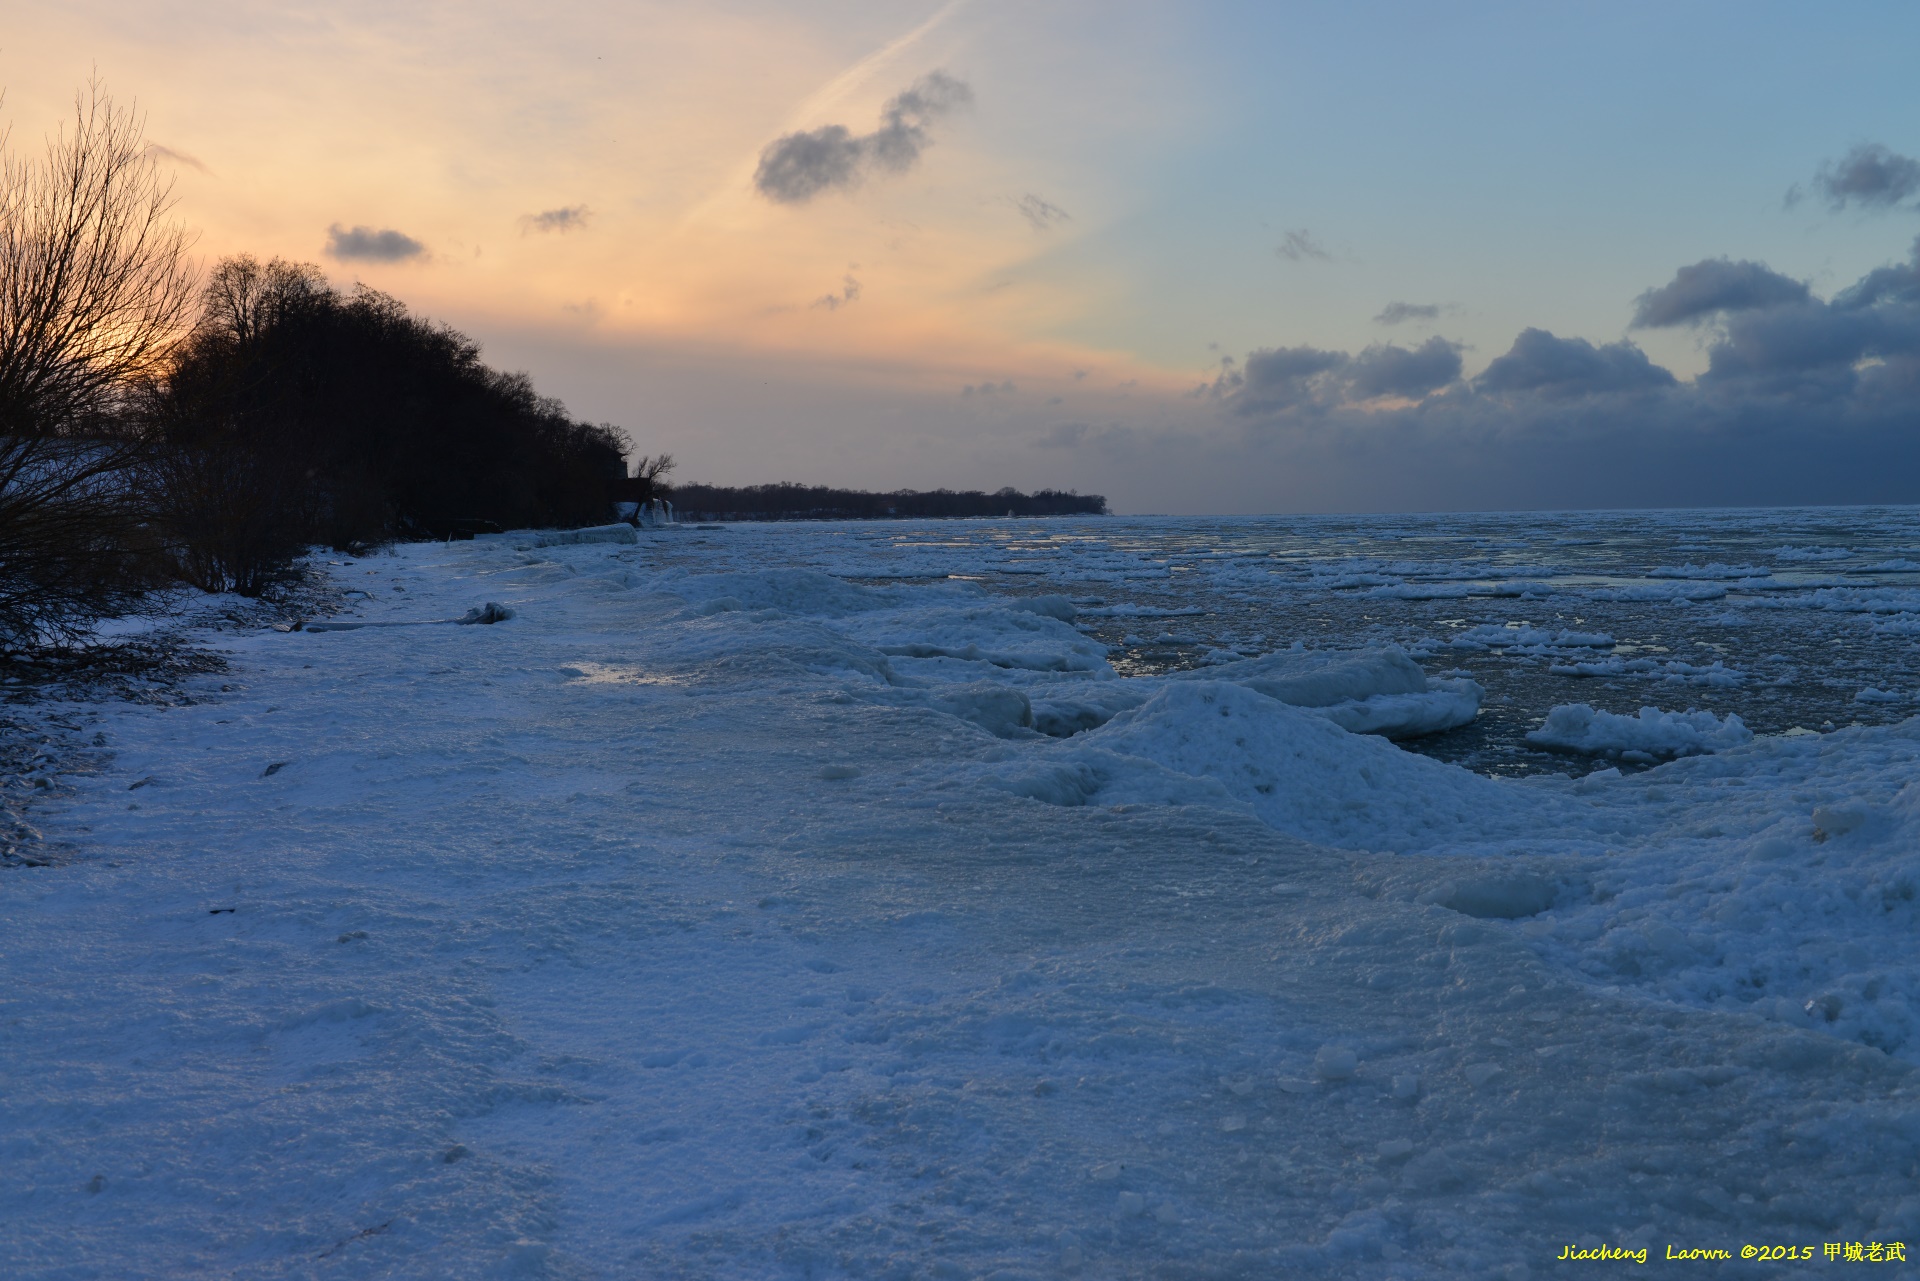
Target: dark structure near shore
787, 501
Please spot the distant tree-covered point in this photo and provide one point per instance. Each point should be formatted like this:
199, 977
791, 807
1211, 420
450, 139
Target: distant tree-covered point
788, 501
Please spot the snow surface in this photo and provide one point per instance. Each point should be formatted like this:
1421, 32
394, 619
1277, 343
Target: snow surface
717, 916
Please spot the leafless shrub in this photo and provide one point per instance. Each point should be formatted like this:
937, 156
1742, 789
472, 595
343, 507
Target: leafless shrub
235, 517
95, 286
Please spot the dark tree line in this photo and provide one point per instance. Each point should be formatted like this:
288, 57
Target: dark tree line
296, 414
789, 501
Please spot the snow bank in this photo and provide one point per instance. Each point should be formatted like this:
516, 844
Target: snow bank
1652, 735
675, 929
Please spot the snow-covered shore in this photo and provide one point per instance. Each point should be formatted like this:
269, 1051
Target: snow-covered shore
741, 923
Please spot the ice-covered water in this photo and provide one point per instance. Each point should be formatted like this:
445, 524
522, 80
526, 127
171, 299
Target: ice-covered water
814, 902
1790, 617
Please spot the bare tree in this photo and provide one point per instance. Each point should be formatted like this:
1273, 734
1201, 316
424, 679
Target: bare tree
651, 472
95, 288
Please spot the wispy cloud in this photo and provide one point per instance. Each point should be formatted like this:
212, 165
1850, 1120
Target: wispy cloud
1040, 214
368, 244
796, 168
571, 218
1869, 176
1395, 313
1299, 245
848, 295
157, 152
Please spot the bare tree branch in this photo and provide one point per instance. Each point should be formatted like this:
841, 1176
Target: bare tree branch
95, 288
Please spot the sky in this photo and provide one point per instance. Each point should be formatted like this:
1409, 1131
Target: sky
1205, 257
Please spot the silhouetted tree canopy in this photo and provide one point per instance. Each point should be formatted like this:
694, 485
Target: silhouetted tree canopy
361, 422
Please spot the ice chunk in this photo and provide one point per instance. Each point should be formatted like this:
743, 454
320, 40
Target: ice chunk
1321, 678
1335, 1063
1370, 691
491, 612
1837, 820
1712, 570
1447, 704
997, 635
1654, 734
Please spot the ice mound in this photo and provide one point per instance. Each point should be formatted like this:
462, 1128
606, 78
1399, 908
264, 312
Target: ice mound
1447, 704
1363, 691
1652, 735
1367, 691
1780, 880
1001, 635
1321, 678
1209, 741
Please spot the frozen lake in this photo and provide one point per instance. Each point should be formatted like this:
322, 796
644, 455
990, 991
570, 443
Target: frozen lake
1010, 899
1787, 617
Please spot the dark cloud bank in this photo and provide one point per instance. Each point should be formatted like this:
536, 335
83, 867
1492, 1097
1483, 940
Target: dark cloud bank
366, 244
1804, 401
800, 166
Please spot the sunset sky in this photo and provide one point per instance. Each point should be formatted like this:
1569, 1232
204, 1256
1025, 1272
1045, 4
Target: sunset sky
1199, 257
